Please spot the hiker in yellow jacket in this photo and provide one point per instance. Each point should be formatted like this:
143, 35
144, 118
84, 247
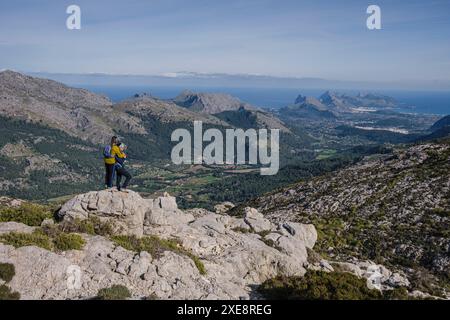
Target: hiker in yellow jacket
109, 156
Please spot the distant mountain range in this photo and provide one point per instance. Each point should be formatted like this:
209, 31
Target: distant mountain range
331, 104
51, 134
193, 79
93, 117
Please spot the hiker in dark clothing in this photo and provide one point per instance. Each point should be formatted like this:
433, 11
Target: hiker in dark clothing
110, 162
120, 169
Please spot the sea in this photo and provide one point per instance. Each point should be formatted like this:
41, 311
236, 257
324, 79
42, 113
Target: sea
420, 102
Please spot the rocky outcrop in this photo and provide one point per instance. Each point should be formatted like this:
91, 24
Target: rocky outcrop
236, 257
126, 211
210, 103
378, 276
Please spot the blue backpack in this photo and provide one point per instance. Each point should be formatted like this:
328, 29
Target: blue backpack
107, 152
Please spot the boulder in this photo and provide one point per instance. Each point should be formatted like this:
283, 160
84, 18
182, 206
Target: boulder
378, 276
303, 232
126, 211
256, 220
164, 211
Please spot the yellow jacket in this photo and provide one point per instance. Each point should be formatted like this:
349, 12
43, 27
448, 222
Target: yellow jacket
115, 151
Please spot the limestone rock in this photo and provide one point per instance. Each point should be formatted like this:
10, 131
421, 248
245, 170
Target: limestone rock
7, 227
378, 276
10, 203
303, 232
125, 210
223, 207
256, 220
164, 211
236, 257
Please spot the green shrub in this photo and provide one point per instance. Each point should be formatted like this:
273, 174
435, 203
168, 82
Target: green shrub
115, 292
69, 241
153, 296
396, 294
198, 263
241, 230
37, 238
271, 243
7, 294
319, 285
313, 257
156, 246
93, 225
264, 233
49, 237
27, 213
7, 271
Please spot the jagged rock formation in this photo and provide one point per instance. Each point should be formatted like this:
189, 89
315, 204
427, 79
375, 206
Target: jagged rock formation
236, 257
210, 103
165, 111
229, 109
338, 102
307, 107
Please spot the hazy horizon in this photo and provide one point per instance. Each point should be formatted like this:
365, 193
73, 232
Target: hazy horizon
287, 39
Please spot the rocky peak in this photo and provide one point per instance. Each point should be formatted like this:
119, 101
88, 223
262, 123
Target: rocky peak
311, 102
327, 97
210, 103
300, 99
143, 95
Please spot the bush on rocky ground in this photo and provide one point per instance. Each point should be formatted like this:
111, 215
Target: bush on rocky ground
319, 285
93, 226
69, 241
156, 246
27, 213
49, 238
17, 239
115, 292
7, 294
7, 271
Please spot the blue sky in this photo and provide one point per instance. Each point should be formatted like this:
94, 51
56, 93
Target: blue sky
326, 39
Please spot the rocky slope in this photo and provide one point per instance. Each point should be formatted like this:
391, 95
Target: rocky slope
391, 208
193, 254
441, 124
165, 111
77, 112
229, 108
236, 254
